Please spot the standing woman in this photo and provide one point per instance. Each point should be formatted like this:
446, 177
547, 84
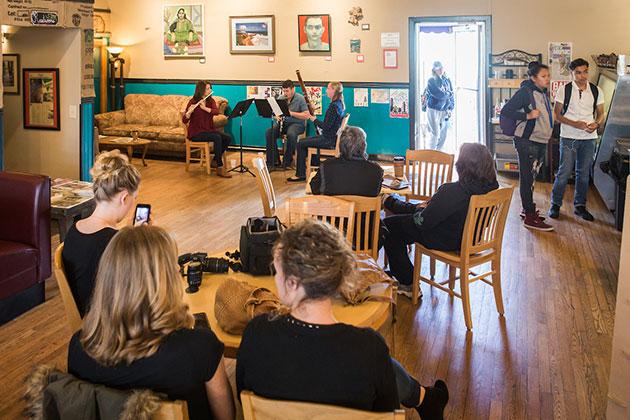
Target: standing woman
530, 106
201, 126
329, 127
440, 105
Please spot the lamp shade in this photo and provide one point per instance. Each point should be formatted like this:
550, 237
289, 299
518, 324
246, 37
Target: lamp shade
115, 51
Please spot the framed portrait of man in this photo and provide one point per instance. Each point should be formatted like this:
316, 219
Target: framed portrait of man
314, 33
183, 31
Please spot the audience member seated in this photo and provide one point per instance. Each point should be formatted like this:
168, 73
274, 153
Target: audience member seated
306, 354
138, 331
115, 187
438, 223
351, 173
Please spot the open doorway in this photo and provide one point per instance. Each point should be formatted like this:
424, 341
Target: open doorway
459, 45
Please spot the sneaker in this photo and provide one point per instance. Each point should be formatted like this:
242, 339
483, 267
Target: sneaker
583, 213
532, 221
434, 402
537, 214
554, 211
405, 290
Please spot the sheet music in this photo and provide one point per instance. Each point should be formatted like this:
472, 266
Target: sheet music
274, 106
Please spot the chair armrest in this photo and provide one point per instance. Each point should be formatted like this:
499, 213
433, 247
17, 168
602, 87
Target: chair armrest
109, 119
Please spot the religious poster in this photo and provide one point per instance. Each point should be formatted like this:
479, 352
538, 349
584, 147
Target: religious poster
87, 63
183, 31
360, 97
315, 95
380, 96
559, 60
399, 103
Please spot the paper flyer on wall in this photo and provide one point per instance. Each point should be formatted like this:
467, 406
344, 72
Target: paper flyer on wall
554, 85
315, 95
559, 59
380, 96
399, 103
360, 97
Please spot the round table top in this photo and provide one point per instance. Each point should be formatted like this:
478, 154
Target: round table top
371, 314
123, 141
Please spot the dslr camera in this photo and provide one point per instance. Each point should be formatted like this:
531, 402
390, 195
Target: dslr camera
198, 262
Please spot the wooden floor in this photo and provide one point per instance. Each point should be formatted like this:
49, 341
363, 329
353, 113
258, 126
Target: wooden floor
548, 358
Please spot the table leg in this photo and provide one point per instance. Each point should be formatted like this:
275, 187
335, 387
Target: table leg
144, 153
130, 153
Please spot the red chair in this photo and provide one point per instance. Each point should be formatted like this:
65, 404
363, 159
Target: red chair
25, 256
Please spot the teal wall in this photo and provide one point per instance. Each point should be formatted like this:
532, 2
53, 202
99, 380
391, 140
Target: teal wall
385, 135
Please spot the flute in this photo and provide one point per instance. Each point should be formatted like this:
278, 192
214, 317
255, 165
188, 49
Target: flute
199, 103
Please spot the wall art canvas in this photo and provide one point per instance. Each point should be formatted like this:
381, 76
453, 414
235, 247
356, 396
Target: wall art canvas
252, 35
399, 103
314, 33
183, 31
315, 96
41, 99
11, 74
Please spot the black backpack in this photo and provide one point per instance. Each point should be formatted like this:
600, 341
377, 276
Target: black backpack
257, 239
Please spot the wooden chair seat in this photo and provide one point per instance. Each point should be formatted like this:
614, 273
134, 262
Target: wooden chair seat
203, 148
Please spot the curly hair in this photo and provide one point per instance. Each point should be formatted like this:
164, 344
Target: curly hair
111, 174
138, 297
316, 255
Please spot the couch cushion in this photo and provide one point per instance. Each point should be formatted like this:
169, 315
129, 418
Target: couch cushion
172, 134
18, 265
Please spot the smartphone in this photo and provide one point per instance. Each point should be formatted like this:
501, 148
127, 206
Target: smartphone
201, 320
142, 214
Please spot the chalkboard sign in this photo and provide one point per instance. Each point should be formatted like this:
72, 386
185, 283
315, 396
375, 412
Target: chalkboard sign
44, 18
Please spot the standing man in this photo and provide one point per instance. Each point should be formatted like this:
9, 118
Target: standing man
580, 110
314, 30
440, 104
292, 126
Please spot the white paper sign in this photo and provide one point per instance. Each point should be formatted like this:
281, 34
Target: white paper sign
380, 96
360, 97
390, 39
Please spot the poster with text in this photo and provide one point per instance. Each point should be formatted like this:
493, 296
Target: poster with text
559, 60
87, 63
554, 86
399, 103
183, 31
380, 96
360, 97
315, 96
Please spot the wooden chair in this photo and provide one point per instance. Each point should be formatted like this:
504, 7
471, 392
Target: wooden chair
259, 408
481, 242
72, 313
204, 148
172, 410
312, 151
337, 212
367, 221
265, 186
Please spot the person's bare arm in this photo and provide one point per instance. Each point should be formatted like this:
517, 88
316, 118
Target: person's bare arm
557, 113
599, 119
220, 394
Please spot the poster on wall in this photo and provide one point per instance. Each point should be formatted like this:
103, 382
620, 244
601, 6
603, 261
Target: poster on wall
554, 85
32, 13
380, 96
183, 31
360, 97
355, 45
399, 103
41, 99
314, 33
390, 39
315, 96
559, 59
87, 63
252, 35
11, 74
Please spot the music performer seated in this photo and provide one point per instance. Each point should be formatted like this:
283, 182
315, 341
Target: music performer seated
292, 126
328, 139
199, 116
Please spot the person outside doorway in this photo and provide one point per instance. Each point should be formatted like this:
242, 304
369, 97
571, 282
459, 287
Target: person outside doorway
440, 105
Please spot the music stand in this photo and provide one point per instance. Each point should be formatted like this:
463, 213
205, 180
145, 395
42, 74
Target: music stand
239, 110
263, 107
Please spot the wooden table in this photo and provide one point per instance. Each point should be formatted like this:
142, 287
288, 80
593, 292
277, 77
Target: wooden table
70, 200
127, 142
371, 314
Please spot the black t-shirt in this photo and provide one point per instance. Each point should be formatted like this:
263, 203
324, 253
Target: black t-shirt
184, 362
81, 254
335, 364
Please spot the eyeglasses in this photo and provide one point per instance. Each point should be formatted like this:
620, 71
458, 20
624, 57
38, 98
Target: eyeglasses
272, 269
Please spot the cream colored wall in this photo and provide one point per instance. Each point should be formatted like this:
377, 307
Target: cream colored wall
593, 27
53, 153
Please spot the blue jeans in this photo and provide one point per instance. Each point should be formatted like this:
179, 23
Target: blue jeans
320, 142
292, 130
578, 154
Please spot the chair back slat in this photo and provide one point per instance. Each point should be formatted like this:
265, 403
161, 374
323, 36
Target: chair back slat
426, 171
69, 304
332, 210
485, 221
367, 219
344, 124
265, 187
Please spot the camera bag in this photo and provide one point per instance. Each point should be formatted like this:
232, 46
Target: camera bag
257, 239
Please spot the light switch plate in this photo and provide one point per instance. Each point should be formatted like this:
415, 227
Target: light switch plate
72, 111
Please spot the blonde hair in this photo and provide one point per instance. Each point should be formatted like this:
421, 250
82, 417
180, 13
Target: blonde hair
338, 88
316, 255
113, 173
138, 297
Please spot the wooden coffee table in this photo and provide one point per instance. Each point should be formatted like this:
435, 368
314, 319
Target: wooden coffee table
127, 142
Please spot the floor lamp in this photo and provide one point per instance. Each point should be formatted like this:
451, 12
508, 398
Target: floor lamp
115, 63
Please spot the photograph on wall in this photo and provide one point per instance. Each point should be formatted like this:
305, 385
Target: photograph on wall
11, 74
559, 60
360, 97
183, 31
399, 103
380, 96
355, 45
315, 96
41, 99
252, 35
314, 33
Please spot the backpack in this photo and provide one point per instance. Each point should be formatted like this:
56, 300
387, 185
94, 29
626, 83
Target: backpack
508, 125
568, 89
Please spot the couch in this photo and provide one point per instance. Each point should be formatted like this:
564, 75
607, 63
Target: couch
25, 255
155, 117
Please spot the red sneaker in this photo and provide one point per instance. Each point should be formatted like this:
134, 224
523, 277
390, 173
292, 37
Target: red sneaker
533, 221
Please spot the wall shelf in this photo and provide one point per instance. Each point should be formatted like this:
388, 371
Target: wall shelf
505, 83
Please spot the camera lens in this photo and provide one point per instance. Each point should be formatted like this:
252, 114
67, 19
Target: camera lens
216, 265
194, 275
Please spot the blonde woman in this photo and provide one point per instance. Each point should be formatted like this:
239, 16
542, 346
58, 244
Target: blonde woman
137, 332
116, 183
308, 355
329, 127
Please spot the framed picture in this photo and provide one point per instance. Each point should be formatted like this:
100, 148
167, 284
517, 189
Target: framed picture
11, 74
314, 33
390, 58
41, 99
252, 34
183, 31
